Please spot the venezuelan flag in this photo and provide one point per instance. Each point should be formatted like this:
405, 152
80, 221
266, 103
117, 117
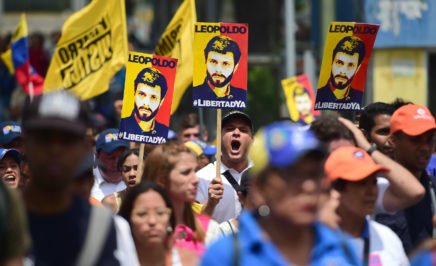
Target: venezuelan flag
16, 59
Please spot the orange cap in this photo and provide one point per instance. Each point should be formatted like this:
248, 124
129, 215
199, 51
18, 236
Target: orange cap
350, 163
412, 119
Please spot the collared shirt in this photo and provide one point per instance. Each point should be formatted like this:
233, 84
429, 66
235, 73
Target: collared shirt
229, 206
385, 247
102, 188
330, 247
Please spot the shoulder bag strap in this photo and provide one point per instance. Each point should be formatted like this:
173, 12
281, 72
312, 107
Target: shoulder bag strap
98, 230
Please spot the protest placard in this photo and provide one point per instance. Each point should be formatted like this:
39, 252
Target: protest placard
148, 91
343, 70
300, 99
220, 65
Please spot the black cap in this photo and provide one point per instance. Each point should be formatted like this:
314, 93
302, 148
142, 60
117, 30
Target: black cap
237, 114
58, 110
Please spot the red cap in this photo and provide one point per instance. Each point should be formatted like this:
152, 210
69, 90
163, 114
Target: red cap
412, 120
350, 163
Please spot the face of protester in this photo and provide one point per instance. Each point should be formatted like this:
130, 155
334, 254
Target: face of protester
359, 197
293, 194
380, 133
203, 160
54, 157
220, 68
109, 161
236, 140
150, 219
303, 104
183, 180
414, 152
129, 170
10, 171
147, 101
343, 69
191, 133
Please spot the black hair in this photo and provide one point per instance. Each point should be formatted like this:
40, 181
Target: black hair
222, 45
339, 185
368, 114
398, 102
124, 156
143, 187
152, 77
351, 45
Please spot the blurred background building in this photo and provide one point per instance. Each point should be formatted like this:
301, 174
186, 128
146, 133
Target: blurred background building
402, 63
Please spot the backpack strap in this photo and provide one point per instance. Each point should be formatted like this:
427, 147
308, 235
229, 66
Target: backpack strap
97, 233
232, 180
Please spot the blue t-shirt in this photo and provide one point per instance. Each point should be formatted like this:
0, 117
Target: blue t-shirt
58, 239
424, 258
330, 247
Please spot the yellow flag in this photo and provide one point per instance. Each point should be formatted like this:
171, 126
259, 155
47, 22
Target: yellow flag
92, 48
177, 42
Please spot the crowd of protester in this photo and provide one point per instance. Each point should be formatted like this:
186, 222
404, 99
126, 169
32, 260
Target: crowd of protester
338, 193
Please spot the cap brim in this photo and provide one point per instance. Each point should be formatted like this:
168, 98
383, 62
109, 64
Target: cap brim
14, 153
56, 124
11, 137
241, 115
419, 129
363, 172
110, 147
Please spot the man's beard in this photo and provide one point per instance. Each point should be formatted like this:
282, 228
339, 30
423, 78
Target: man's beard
342, 85
144, 117
218, 83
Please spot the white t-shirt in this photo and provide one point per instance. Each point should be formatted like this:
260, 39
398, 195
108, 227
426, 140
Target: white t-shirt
382, 185
229, 206
102, 188
385, 247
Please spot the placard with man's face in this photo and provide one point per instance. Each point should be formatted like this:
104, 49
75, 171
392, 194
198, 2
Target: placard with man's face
343, 70
300, 99
148, 92
220, 65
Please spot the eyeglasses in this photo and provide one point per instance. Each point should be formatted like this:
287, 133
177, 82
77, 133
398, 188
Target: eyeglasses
161, 214
128, 168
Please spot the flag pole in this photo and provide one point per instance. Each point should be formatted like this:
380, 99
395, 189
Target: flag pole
140, 163
218, 144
